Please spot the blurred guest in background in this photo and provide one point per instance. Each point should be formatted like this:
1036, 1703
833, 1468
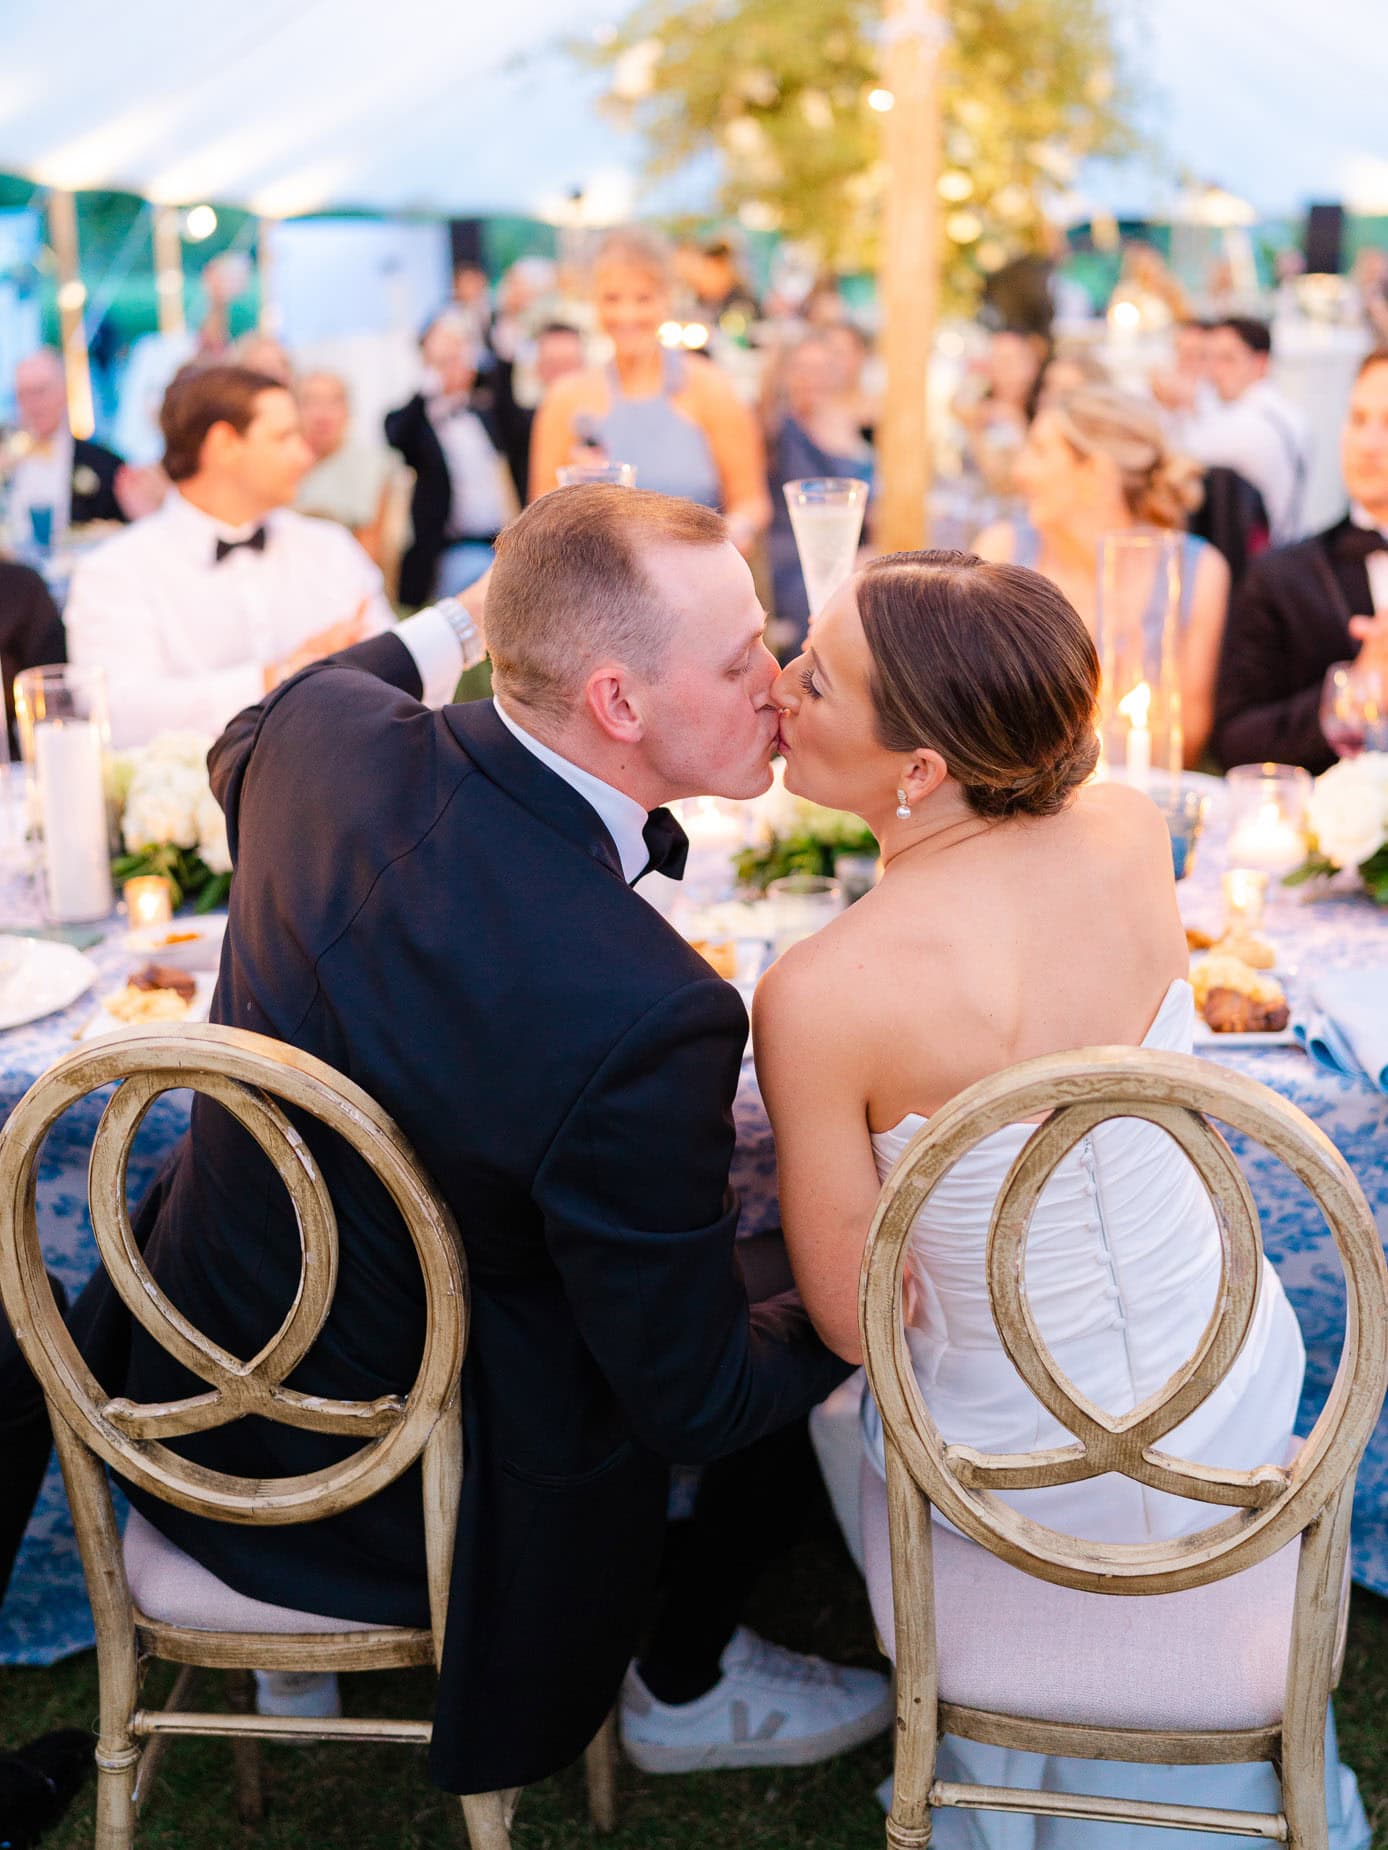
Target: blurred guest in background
31, 633
462, 493
155, 358
1369, 277
556, 351
350, 479
1249, 426
60, 481
856, 392
1070, 369
1098, 463
262, 353
997, 403
197, 610
722, 298
1146, 282
472, 301
814, 434
1184, 389
1301, 609
675, 418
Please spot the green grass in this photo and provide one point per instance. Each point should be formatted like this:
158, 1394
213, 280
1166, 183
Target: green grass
378, 1796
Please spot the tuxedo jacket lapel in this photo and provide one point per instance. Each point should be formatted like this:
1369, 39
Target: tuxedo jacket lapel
502, 757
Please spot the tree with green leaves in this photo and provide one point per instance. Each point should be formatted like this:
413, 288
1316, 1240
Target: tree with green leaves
787, 93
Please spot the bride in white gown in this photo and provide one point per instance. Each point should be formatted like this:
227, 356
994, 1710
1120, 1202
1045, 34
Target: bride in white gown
1022, 912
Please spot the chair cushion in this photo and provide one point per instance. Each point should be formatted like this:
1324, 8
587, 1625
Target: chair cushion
1214, 1657
170, 1586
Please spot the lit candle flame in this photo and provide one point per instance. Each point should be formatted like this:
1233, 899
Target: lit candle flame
1135, 706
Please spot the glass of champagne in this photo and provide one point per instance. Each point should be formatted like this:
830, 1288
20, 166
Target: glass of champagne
826, 517
1354, 708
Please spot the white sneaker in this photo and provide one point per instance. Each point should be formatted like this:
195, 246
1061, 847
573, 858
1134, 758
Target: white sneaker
311, 1695
770, 1707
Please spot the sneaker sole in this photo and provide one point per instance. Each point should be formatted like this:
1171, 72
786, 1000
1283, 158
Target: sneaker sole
802, 1750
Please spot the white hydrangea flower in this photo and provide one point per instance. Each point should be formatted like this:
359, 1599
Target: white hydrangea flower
165, 793
212, 834
1349, 809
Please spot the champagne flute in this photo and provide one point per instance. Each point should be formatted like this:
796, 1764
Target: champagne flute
826, 517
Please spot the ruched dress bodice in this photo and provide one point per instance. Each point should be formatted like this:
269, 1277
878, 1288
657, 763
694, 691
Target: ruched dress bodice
1122, 1267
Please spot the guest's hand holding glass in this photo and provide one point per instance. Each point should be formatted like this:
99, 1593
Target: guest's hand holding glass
1354, 701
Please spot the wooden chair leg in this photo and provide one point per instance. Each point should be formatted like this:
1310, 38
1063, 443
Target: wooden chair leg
116, 1767
488, 1816
245, 1755
600, 1769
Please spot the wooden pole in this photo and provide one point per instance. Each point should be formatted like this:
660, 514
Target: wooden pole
72, 296
268, 319
913, 32
168, 269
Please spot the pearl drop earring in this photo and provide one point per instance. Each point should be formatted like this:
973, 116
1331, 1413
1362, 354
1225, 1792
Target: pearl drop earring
903, 808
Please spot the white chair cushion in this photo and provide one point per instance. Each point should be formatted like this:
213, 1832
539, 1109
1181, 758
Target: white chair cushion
1214, 1657
168, 1585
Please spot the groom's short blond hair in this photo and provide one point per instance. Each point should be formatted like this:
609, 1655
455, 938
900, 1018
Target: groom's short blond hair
569, 589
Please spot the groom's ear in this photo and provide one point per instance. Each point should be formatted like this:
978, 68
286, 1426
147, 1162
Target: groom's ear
608, 695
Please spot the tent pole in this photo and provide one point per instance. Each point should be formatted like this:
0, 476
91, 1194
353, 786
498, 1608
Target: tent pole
168, 270
913, 33
265, 273
62, 235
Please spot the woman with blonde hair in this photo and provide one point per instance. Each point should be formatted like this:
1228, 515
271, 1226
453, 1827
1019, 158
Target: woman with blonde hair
1097, 462
674, 417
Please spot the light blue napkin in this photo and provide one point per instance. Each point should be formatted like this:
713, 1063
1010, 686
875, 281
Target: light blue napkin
1343, 1023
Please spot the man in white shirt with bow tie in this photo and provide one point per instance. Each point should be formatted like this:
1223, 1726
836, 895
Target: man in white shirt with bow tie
200, 608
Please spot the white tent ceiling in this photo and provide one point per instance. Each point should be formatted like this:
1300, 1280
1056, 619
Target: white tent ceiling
291, 106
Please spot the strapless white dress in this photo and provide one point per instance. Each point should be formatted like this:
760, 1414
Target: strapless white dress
1122, 1266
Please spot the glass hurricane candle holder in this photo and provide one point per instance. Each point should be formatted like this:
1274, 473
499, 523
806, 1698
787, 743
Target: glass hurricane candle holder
63, 735
1137, 631
1268, 806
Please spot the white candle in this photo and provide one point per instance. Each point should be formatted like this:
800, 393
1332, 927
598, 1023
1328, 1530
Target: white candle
1267, 840
72, 810
1135, 707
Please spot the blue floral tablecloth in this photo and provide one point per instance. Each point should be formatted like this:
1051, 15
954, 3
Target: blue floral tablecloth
45, 1615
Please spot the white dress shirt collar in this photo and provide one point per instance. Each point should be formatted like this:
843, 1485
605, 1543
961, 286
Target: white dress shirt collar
1376, 565
200, 532
622, 816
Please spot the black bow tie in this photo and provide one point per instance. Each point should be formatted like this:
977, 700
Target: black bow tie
1360, 542
225, 548
666, 843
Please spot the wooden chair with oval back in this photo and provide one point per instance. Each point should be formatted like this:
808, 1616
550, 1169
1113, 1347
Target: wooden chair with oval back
1270, 1579
246, 1074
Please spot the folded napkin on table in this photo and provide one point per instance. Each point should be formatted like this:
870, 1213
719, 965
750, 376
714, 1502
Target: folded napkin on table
1343, 1023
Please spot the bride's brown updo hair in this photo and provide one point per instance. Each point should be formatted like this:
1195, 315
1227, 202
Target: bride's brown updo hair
990, 666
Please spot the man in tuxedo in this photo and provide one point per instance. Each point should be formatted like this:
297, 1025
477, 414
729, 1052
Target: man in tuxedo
462, 492
438, 900
1302, 608
61, 481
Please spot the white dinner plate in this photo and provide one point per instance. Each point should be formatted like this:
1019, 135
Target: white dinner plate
38, 977
1205, 1036
102, 1023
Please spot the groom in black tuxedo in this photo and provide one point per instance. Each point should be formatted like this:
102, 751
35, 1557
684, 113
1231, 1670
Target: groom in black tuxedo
438, 901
